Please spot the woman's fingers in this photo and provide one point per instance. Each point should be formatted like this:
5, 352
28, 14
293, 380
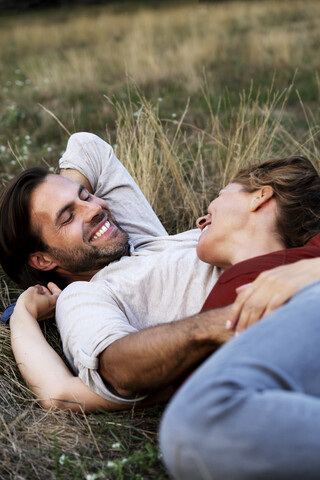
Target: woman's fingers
253, 308
245, 291
270, 290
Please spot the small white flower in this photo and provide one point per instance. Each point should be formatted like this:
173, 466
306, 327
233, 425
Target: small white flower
51, 169
160, 99
92, 476
116, 445
137, 113
111, 464
27, 137
173, 115
36, 88
62, 459
19, 83
28, 81
17, 71
124, 460
13, 162
46, 80
49, 149
3, 148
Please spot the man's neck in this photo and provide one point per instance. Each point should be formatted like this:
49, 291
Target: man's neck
76, 277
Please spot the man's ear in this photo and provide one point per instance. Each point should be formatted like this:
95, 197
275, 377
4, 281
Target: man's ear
261, 197
41, 261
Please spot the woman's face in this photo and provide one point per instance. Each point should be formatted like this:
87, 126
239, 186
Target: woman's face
228, 214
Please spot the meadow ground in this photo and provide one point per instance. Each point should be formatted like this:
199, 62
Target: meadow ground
185, 94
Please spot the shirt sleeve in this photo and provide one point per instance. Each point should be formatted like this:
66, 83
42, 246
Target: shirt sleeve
89, 320
95, 159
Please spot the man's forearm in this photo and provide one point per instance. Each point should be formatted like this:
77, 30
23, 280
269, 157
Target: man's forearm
154, 358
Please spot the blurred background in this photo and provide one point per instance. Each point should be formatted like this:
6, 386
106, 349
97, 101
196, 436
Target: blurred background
219, 75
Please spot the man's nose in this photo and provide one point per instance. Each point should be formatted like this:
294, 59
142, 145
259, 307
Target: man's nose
90, 210
201, 220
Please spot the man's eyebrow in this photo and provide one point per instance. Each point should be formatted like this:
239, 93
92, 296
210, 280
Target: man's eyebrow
69, 205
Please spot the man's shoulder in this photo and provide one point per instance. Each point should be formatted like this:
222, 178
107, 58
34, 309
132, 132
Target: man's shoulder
78, 289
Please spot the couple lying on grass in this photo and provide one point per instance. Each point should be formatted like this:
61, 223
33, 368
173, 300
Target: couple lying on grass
129, 315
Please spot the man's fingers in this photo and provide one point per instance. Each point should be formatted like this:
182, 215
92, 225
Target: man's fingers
39, 289
54, 289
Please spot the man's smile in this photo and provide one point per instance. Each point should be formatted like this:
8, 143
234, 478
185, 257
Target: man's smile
102, 229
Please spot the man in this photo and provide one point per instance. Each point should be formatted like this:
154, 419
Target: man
104, 323
151, 278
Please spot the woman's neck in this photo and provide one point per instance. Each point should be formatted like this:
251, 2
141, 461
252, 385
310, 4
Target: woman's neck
253, 246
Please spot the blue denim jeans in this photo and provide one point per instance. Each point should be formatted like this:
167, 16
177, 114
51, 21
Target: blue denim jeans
252, 410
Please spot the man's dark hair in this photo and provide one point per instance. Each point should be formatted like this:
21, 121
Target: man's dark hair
17, 238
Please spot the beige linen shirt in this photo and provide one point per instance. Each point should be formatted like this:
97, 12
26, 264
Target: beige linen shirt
161, 281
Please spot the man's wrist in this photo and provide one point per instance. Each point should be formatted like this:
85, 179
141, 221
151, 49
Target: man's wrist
21, 312
208, 328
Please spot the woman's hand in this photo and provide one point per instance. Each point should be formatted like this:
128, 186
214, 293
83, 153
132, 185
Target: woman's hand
39, 301
270, 290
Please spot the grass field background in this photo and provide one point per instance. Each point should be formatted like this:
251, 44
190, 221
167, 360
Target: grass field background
185, 94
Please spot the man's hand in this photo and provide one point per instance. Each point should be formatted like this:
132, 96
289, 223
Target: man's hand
76, 177
270, 290
39, 301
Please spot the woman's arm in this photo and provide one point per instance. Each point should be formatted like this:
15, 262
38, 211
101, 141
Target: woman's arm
40, 365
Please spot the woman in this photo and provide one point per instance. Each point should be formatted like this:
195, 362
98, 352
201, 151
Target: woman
297, 224
241, 224
251, 411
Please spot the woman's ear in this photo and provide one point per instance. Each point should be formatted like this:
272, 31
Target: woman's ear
41, 261
261, 197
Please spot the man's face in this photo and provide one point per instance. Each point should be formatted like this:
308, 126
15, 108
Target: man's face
227, 216
78, 228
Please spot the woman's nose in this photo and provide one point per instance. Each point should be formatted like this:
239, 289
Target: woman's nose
201, 221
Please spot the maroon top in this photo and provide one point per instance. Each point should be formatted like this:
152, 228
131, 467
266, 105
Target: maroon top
224, 291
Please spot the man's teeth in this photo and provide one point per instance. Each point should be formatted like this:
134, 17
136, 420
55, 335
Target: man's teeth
102, 230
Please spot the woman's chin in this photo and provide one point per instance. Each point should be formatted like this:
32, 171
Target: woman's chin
203, 254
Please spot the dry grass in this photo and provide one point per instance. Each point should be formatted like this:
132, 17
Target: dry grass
172, 90
173, 44
177, 166
38, 444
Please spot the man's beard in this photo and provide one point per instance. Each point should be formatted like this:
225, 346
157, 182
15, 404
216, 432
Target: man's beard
88, 258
